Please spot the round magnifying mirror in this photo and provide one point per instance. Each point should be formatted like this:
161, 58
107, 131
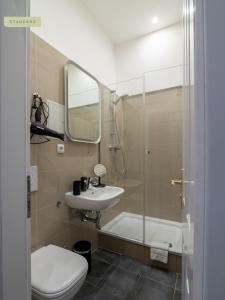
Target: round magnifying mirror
100, 171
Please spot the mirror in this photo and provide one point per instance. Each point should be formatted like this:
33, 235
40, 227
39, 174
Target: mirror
100, 170
83, 105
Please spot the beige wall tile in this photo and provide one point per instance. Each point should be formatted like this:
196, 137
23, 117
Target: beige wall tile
61, 239
51, 221
84, 231
52, 224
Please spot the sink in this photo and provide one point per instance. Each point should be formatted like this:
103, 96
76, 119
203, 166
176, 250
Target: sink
95, 198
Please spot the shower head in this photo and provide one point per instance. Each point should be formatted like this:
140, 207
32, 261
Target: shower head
116, 101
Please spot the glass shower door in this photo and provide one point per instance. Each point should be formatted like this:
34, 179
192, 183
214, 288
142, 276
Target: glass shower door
122, 150
163, 158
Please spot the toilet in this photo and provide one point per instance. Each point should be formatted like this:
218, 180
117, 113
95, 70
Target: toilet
56, 273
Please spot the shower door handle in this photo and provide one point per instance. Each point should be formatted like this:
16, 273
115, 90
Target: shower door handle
175, 181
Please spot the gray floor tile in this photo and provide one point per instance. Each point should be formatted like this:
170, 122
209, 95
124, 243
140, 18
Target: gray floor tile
147, 289
98, 270
87, 292
177, 295
90, 292
163, 277
105, 256
102, 295
129, 264
119, 283
178, 283
117, 277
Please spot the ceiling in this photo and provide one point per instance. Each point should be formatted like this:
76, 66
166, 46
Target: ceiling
123, 20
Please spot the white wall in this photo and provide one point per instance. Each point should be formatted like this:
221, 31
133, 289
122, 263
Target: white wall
159, 50
69, 27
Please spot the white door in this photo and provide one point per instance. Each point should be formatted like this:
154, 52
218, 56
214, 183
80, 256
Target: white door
193, 151
14, 157
188, 154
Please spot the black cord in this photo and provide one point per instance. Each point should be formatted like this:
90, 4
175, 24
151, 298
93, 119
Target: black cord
39, 106
38, 109
43, 142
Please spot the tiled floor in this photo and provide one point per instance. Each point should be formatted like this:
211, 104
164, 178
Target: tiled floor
117, 277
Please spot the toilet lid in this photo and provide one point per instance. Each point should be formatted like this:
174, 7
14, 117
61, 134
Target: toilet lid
54, 269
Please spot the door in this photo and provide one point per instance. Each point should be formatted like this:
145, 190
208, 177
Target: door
163, 113
188, 153
14, 157
193, 151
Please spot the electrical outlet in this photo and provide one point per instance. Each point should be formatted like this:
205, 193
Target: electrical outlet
60, 148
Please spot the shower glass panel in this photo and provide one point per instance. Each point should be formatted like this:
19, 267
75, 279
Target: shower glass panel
163, 159
122, 151
142, 149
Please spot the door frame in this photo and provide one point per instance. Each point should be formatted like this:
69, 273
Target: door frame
14, 155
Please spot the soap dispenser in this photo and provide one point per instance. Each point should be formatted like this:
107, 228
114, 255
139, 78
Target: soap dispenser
84, 183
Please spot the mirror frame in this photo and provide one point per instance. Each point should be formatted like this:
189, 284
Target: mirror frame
69, 62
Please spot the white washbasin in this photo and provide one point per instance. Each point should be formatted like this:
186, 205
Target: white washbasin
95, 198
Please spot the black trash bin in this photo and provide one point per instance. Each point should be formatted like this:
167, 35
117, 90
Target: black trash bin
84, 248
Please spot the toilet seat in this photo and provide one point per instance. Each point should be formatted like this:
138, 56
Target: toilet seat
56, 271
65, 294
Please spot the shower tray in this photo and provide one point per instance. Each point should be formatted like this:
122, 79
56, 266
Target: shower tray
130, 227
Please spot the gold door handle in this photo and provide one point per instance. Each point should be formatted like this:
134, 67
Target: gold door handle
175, 181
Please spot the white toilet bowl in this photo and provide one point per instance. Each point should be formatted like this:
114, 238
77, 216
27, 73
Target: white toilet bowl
56, 273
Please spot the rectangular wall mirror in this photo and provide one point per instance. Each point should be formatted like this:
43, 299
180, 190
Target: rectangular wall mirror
82, 105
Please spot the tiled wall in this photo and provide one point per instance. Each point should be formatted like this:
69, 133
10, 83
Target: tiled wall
111, 159
50, 223
163, 137
153, 145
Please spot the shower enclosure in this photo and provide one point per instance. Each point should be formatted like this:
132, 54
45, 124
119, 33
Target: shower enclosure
142, 150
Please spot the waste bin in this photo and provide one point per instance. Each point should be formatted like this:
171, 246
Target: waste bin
84, 248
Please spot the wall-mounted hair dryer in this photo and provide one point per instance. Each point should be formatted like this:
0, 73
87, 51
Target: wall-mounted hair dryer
39, 117
37, 128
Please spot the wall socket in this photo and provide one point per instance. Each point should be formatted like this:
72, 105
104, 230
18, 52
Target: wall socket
60, 148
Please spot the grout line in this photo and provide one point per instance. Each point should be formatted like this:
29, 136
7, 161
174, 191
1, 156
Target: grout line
109, 294
110, 251
132, 292
157, 281
104, 276
176, 282
98, 285
174, 291
90, 283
